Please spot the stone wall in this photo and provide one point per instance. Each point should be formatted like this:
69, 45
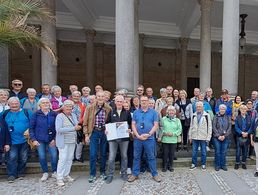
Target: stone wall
161, 67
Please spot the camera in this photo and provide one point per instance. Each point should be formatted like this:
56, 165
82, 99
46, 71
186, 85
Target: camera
11, 128
142, 125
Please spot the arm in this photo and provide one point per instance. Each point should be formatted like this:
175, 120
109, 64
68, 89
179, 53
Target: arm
85, 122
209, 128
135, 132
59, 125
179, 128
237, 128
228, 131
32, 127
214, 127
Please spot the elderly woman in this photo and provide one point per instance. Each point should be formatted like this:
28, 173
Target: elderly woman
169, 102
30, 102
57, 100
243, 127
171, 129
161, 102
92, 99
185, 112
66, 127
4, 95
254, 142
221, 126
42, 133
85, 95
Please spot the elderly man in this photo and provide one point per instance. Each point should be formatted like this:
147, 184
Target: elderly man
144, 126
199, 134
94, 129
18, 121
196, 95
210, 98
118, 114
224, 99
254, 98
140, 90
169, 91
45, 92
149, 93
17, 89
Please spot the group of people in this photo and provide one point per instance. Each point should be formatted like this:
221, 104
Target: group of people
63, 125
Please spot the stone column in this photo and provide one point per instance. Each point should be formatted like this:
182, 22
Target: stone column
48, 34
4, 67
205, 53
184, 44
141, 57
90, 67
126, 44
230, 46
36, 66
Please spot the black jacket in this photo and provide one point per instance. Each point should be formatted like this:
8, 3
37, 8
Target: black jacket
5, 138
20, 95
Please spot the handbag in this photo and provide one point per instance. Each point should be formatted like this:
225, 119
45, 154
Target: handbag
79, 133
26, 134
242, 140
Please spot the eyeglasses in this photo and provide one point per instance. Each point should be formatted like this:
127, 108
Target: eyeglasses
139, 90
17, 84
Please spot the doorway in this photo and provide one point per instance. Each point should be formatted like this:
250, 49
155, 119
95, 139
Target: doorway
191, 84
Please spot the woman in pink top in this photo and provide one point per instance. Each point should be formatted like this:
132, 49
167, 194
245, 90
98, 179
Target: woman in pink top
57, 99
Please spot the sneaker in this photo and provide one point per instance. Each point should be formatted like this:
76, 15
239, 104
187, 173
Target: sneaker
208, 149
256, 174
124, 177
109, 179
252, 157
225, 168
92, 179
243, 166
129, 171
11, 179
21, 176
164, 170
236, 166
68, 178
103, 176
171, 169
216, 168
132, 178
44, 177
192, 167
60, 182
203, 167
157, 178
53, 175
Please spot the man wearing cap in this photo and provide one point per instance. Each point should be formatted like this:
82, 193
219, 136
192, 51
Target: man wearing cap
224, 99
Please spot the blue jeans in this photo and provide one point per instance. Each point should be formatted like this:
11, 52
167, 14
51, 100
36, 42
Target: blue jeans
244, 149
149, 148
196, 144
221, 148
43, 158
16, 159
98, 140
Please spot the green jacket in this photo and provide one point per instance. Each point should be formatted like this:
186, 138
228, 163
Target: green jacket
170, 126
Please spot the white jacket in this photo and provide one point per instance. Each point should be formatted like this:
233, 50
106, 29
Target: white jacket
200, 131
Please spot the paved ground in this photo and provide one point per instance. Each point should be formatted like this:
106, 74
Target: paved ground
182, 181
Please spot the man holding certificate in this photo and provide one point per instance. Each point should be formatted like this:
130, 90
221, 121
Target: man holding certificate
144, 125
117, 128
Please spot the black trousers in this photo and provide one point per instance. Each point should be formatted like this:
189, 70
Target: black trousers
168, 154
185, 132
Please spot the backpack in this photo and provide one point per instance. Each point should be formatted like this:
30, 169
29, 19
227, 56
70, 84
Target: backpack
8, 110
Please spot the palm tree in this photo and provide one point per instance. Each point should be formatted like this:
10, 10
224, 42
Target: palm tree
14, 27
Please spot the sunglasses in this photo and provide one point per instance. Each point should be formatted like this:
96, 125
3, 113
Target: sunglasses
17, 84
139, 90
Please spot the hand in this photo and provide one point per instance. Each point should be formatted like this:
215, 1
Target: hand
252, 143
170, 134
52, 143
87, 139
106, 132
223, 137
129, 131
6, 148
244, 134
35, 143
190, 141
146, 135
77, 127
159, 139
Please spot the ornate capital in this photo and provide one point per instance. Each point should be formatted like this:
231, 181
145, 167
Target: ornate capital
90, 34
205, 4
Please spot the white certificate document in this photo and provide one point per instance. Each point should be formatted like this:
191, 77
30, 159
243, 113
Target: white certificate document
117, 130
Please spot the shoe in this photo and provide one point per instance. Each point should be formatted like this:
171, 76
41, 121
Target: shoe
208, 149
192, 167
109, 179
216, 168
60, 182
78, 160
243, 166
11, 179
129, 171
171, 169
103, 176
53, 175
175, 158
92, 179
132, 178
157, 178
68, 178
124, 177
203, 167
256, 174
252, 157
44, 177
236, 166
164, 170
21, 176
225, 168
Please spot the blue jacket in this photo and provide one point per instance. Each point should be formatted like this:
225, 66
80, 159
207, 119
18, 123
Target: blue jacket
42, 127
5, 138
254, 127
239, 125
228, 103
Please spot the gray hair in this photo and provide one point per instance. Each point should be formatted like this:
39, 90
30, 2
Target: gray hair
68, 102
151, 100
119, 97
4, 91
222, 106
76, 92
13, 99
171, 108
43, 99
86, 88
55, 88
31, 90
199, 103
163, 90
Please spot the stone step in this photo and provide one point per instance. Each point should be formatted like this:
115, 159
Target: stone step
34, 167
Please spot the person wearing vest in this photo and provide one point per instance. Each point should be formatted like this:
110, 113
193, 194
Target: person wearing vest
254, 142
243, 124
66, 137
221, 131
94, 130
118, 114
